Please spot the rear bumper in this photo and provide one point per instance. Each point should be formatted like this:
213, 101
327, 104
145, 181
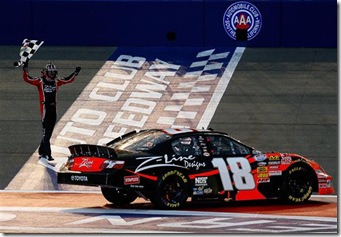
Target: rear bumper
86, 179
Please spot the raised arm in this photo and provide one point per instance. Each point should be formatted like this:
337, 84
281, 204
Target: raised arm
32, 80
69, 78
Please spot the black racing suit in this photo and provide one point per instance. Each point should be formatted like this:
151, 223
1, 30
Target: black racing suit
47, 89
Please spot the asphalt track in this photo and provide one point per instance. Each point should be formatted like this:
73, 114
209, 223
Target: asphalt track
278, 99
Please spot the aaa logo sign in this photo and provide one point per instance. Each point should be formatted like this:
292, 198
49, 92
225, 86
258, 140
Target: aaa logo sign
242, 16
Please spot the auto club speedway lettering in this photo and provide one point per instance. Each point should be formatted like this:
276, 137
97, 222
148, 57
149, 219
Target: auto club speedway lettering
141, 88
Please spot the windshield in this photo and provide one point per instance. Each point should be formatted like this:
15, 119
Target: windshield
141, 141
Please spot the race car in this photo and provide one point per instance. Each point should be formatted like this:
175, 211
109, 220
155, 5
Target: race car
171, 167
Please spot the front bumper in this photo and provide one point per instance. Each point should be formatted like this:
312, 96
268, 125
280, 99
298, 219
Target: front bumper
325, 184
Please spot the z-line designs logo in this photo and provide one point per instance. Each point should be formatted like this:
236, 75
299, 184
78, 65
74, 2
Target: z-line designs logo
242, 16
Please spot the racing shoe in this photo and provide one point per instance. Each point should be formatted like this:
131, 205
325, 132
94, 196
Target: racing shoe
47, 157
46, 161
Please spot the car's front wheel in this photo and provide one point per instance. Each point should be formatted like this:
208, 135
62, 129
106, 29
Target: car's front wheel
118, 196
298, 184
172, 190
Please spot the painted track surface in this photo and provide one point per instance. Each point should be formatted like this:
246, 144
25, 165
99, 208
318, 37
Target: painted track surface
319, 207
58, 212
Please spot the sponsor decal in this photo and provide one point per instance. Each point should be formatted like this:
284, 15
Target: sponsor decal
275, 173
173, 161
263, 175
79, 178
260, 157
136, 186
274, 158
164, 161
199, 181
299, 160
133, 179
322, 185
286, 160
198, 191
329, 183
194, 164
325, 183
295, 169
242, 21
261, 163
203, 146
175, 172
274, 162
208, 190
304, 197
263, 180
262, 169
86, 163
49, 88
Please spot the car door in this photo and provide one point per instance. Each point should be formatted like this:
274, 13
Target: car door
193, 152
230, 158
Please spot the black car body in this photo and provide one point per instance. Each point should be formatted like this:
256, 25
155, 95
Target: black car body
168, 166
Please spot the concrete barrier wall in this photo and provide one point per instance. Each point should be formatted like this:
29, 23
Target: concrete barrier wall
284, 23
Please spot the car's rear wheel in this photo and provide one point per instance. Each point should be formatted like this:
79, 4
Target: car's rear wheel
118, 196
172, 190
298, 184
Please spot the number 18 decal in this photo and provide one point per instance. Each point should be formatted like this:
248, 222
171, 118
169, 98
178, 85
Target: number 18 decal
241, 173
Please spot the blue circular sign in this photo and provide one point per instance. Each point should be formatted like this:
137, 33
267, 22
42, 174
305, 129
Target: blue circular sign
242, 16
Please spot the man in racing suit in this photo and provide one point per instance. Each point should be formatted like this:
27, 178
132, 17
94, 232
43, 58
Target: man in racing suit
48, 84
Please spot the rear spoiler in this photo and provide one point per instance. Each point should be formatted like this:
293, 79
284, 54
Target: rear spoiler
92, 151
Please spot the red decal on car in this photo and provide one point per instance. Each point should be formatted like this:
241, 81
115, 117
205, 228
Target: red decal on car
134, 179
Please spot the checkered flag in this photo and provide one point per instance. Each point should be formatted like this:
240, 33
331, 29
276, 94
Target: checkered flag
27, 49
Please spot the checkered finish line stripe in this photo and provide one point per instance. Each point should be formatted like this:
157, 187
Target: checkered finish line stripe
188, 108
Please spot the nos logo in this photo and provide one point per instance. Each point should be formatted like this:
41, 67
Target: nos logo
242, 16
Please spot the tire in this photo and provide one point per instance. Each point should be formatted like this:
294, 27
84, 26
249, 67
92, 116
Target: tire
120, 197
172, 190
298, 184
